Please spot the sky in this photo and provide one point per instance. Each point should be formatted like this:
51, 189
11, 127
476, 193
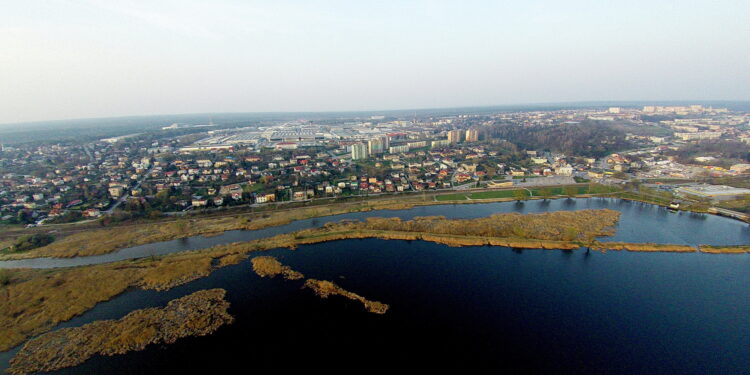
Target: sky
62, 59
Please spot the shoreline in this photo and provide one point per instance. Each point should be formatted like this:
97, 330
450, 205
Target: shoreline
109, 240
198, 314
40, 298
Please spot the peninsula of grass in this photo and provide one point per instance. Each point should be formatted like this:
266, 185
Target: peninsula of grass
738, 249
197, 314
268, 266
643, 247
106, 240
324, 289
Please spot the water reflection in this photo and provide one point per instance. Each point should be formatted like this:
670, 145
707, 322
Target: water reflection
639, 222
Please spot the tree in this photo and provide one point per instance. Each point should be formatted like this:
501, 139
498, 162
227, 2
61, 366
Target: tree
570, 234
570, 191
596, 189
589, 138
545, 192
181, 226
4, 277
520, 195
28, 242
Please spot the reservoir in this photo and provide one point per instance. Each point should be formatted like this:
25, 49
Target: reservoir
462, 309
639, 222
470, 309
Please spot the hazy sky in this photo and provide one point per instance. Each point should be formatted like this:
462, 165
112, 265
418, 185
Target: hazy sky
93, 58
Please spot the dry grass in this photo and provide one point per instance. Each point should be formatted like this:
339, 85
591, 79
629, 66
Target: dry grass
197, 314
643, 247
231, 259
583, 225
106, 240
267, 266
324, 288
35, 301
37, 304
172, 272
739, 249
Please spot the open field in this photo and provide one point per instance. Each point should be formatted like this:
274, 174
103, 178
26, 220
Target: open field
528, 193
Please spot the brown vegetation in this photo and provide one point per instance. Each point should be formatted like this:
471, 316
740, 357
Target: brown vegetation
644, 247
32, 306
583, 225
106, 240
231, 259
197, 314
171, 272
34, 301
325, 288
267, 266
739, 249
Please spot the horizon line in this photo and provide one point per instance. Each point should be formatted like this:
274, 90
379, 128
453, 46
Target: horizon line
363, 111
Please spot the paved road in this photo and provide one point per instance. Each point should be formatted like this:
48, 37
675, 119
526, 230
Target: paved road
125, 196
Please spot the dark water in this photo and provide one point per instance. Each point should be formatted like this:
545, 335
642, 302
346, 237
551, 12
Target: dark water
471, 309
479, 309
639, 222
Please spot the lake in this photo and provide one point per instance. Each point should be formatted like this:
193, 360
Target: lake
478, 309
639, 222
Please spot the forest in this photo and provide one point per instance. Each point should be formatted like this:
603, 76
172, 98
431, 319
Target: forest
588, 138
718, 148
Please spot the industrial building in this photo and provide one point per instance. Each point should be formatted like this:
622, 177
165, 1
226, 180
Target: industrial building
713, 192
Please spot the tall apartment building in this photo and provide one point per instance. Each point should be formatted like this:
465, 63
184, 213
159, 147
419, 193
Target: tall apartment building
377, 145
418, 144
359, 151
440, 143
454, 136
398, 149
472, 135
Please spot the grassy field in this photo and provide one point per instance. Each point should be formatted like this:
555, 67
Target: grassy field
197, 314
451, 197
493, 194
531, 192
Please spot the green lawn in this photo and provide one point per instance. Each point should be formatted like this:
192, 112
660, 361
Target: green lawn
451, 197
492, 194
535, 192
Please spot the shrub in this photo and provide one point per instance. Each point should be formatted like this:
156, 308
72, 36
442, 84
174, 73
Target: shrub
28, 242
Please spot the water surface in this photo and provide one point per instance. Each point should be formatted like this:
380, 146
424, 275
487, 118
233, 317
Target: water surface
639, 222
485, 309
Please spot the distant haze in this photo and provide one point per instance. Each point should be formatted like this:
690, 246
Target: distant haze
76, 58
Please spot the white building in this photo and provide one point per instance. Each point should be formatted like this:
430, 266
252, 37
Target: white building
359, 151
